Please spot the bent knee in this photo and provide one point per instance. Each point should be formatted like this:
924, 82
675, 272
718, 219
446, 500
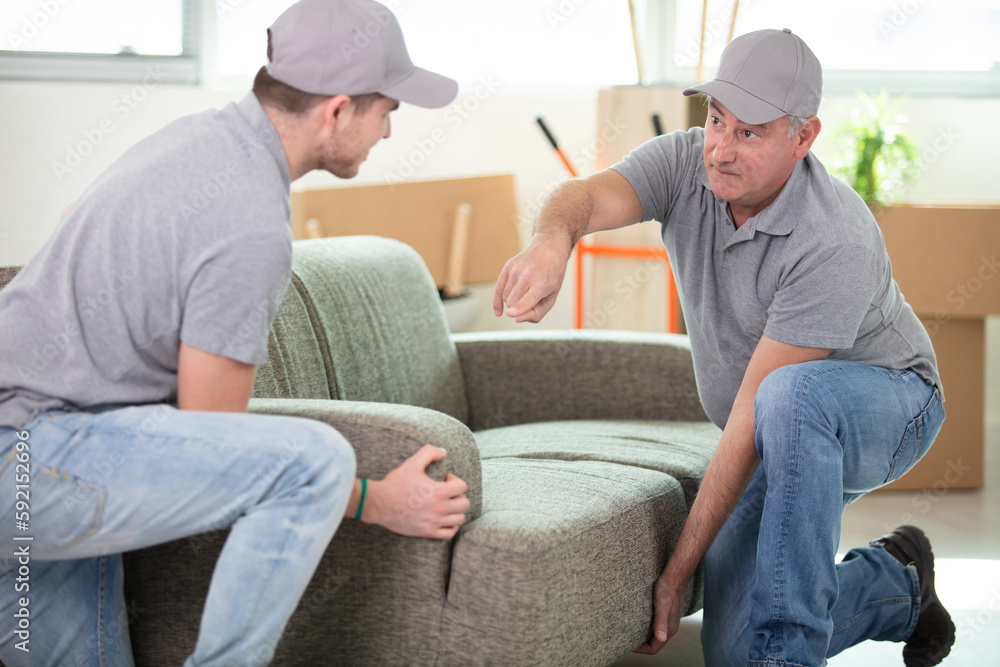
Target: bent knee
787, 388
323, 450
789, 396
327, 443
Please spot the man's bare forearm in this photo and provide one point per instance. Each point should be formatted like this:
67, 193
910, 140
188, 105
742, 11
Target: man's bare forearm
734, 461
728, 474
566, 212
530, 281
604, 200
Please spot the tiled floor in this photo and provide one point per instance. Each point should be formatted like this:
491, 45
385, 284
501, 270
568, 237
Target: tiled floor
964, 527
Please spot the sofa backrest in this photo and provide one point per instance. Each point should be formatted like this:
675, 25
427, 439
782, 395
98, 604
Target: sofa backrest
362, 320
296, 365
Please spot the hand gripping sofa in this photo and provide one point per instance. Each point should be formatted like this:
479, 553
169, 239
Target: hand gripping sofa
582, 450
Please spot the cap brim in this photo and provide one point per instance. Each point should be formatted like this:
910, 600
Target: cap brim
748, 108
423, 88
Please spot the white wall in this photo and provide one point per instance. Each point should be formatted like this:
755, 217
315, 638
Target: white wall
489, 129
485, 131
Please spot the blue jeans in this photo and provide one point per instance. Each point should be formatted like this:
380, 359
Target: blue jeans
108, 482
827, 432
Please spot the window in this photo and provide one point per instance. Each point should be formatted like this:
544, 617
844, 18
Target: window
912, 46
907, 46
98, 39
523, 43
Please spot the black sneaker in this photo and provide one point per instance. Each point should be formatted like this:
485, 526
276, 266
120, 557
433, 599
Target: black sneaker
934, 633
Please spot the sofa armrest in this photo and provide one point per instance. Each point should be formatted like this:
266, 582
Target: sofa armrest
377, 598
385, 434
532, 376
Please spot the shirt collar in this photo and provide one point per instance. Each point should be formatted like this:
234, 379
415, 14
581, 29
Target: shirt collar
264, 133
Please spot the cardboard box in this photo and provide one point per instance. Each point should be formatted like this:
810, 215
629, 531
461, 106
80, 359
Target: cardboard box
422, 215
625, 120
945, 260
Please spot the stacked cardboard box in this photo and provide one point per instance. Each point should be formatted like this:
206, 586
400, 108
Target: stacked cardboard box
945, 259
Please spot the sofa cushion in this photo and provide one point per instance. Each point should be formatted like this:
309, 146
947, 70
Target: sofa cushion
528, 376
679, 449
378, 322
560, 546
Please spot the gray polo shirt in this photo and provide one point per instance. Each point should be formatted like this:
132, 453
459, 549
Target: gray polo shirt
811, 269
185, 237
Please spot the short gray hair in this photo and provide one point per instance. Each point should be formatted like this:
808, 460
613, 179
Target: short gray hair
795, 123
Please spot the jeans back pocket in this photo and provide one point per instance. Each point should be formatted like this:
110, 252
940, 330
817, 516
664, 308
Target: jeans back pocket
918, 438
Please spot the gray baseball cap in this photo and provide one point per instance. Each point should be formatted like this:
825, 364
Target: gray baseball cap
350, 47
765, 75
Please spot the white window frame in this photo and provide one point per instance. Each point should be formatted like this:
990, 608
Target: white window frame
184, 68
657, 18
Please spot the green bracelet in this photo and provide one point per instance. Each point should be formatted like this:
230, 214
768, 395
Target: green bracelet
361, 505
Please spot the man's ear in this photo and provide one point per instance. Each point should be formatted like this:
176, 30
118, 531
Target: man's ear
336, 113
806, 136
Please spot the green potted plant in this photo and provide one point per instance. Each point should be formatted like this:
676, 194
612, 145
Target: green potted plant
874, 155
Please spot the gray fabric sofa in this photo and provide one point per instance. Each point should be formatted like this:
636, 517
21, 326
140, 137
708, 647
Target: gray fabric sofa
583, 452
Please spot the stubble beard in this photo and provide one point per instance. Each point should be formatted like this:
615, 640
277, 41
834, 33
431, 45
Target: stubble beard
339, 164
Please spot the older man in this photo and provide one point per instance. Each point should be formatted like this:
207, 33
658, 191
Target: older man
822, 378
142, 320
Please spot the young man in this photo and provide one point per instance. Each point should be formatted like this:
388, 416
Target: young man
822, 378
158, 288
